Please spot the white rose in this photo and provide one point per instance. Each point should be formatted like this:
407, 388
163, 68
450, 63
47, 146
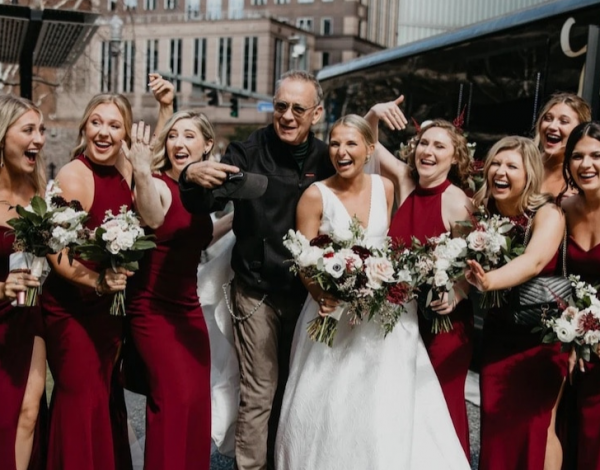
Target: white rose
457, 247
126, 240
111, 234
440, 278
113, 247
477, 240
309, 257
569, 313
404, 275
342, 235
565, 330
378, 271
334, 266
442, 264
592, 337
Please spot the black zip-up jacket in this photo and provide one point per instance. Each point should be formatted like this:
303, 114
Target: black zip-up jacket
259, 258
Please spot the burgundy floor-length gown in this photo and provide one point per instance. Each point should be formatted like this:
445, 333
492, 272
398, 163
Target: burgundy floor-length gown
18, 328
520, 382
87, 421
586, 386
420, 216
170, 334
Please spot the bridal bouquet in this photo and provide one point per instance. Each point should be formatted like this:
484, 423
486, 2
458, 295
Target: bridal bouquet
578, 326
46, 226
491, 243
438, 264
370, 282
119, 241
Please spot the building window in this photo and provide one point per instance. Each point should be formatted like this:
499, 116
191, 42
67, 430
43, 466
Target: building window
175, 61
324, 59
326, 26
170, 4
225, 61
112, 5
105, 67
278, 65
250, 56
281, 2
200, 58
305, 23
151, 57
306, 1
128, 65
130, 4
149, 4
258, 2
192, 9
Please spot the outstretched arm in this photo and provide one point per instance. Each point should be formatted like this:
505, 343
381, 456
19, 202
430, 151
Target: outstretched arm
164, 93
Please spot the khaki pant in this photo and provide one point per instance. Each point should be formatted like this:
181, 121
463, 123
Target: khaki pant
262, 342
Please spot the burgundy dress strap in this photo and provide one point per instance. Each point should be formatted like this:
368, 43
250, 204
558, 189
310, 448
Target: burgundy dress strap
420, 215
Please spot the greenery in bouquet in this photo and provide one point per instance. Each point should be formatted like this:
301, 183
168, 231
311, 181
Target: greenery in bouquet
369, 281
46, 226
119, 242
578, 325
438, 264
492, 242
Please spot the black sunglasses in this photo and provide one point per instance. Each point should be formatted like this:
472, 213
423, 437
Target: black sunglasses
299, 111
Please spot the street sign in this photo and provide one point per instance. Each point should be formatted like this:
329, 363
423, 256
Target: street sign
264, 107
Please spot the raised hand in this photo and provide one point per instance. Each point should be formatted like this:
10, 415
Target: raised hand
209, 174
476, 276
141, 151
390, 113
163, 90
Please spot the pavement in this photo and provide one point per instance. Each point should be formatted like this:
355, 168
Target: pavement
136, 406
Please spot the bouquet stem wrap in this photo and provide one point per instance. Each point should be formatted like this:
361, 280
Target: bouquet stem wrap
21, 261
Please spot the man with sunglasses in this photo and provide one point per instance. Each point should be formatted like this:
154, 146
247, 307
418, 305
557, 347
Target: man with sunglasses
265, 298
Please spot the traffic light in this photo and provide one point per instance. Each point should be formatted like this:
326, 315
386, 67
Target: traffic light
235, 107
213, 97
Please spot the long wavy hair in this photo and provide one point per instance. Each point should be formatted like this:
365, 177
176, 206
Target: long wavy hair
459, 171
122, 105
577, 104
160, 159
585, 129
531, 198
11, 109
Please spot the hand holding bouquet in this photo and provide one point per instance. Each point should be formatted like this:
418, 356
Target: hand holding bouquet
579, 323
368, 281
119, 242
46, 226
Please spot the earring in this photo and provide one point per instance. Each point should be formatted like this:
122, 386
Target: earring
368, 158
1, 158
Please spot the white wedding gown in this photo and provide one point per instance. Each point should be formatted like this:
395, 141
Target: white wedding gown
368, 402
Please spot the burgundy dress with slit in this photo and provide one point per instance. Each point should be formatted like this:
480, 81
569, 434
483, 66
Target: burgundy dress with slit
420, 216
586, 386
170, 334
520, 382
18, 328
88, 416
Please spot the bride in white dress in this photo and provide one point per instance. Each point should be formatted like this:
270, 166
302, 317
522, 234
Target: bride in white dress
367, 403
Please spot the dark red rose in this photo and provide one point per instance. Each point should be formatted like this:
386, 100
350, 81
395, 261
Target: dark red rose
362, 252
59, 201
398, 293
76, 205
321, 241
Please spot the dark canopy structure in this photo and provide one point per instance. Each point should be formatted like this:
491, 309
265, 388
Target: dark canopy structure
45, 38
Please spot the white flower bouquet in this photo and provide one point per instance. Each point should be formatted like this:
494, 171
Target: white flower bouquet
370, 282
46, 226
438, 265
119, 241
578, 326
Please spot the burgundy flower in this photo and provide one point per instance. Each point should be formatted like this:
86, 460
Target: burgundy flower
76, 205
589, 322
321, 241
362, 252
59, 201
398, 293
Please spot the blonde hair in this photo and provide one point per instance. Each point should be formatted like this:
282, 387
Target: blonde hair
122, 105
459, 172
11, 110
357, 122
531, 198
577, 104
160, 160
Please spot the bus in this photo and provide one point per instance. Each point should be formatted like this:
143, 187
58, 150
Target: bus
495, 74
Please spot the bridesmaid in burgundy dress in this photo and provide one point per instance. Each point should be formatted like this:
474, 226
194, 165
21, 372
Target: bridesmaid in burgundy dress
22, 349
166, 319
87, 424
430, 203
559, 116
521, 378
582, 211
